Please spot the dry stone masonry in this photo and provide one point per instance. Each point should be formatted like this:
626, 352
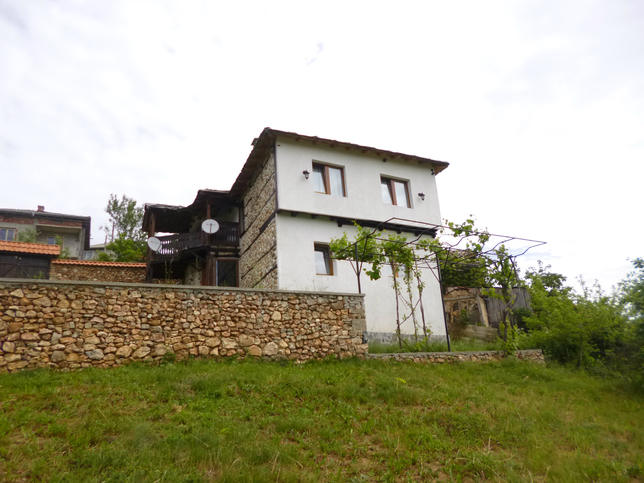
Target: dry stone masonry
69, 325
258, 259
533, 355
95, 271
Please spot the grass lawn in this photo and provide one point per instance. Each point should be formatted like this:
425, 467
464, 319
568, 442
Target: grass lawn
335, 420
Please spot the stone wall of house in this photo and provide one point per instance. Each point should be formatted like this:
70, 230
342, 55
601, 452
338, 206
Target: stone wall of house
534, 355
97, 271
68, 325
258, 255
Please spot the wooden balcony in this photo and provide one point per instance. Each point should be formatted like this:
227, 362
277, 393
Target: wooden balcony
173, 246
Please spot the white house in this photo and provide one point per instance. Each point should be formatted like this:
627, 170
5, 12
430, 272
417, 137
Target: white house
294, 194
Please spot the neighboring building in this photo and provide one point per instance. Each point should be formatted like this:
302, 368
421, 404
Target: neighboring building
73, 231
26, 260
294, 194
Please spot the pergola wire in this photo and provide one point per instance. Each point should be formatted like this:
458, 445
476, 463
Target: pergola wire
489, 243
428, 229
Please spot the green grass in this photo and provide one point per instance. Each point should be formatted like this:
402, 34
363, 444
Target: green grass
332, 420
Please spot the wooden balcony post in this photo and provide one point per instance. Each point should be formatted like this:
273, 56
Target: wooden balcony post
151, 226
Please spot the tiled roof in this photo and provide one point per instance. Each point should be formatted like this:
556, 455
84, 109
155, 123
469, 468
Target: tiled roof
97, 263
35, 248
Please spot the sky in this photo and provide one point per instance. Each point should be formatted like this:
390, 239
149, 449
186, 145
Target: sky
537, 106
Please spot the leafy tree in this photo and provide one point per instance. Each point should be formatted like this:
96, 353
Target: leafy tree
632, 291
124, 250
552, 283
395, 251
125, 219
586, 329
127, 239
362, 249
30, 235
632, 299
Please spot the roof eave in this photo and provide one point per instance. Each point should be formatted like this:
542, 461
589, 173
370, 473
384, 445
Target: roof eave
267, 138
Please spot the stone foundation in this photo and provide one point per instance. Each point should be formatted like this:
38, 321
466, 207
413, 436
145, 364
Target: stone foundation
68, 325
388, 338
534, 355
95, 271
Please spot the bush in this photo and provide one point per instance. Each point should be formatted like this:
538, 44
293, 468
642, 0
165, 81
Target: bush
586, 330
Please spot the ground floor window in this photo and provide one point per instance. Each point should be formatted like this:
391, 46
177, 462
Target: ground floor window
226, 273
220, 272
323, 262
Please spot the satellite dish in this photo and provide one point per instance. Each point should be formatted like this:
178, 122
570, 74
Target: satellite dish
154, 243
210, 226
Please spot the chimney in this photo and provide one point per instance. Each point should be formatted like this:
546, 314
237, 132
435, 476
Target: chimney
41, 208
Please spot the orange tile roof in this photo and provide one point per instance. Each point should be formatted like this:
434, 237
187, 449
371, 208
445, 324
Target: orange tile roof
35, 248
98, 263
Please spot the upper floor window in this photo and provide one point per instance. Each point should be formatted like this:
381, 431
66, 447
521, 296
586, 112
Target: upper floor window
7, 234
323, 262
395, 192
51, 240
328, 180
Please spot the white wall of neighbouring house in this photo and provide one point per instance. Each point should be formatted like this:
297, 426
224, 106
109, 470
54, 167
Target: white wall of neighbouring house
362, 173
296, 236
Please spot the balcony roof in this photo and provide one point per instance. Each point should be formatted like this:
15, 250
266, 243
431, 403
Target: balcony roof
177, 219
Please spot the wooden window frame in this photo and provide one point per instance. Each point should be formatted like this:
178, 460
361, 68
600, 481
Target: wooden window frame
392, 190
6, 233
324, 248
327, 181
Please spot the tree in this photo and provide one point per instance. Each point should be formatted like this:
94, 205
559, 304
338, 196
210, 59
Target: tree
125, 219
127, 239
397, 252
586, 329
632, 291
30, 235
632, 299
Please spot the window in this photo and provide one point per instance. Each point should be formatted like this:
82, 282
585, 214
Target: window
395, 192
7, 234
226, 273
328, 180
323, 262
51, 240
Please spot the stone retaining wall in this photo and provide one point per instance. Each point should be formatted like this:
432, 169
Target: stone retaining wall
534, 355
79, 324
95, 271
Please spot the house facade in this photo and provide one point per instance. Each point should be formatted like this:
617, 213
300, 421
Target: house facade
71, 231
293, 195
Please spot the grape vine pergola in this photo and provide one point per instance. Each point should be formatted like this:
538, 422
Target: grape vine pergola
461, 251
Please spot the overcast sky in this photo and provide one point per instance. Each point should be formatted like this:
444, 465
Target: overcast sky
538, 106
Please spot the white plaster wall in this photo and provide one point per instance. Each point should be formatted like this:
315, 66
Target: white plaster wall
362, 176
296, 271
71, 241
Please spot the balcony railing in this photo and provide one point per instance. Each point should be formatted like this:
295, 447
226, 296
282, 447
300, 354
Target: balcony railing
173, 245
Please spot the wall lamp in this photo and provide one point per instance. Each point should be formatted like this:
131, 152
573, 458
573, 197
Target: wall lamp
421, 196
306, 173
